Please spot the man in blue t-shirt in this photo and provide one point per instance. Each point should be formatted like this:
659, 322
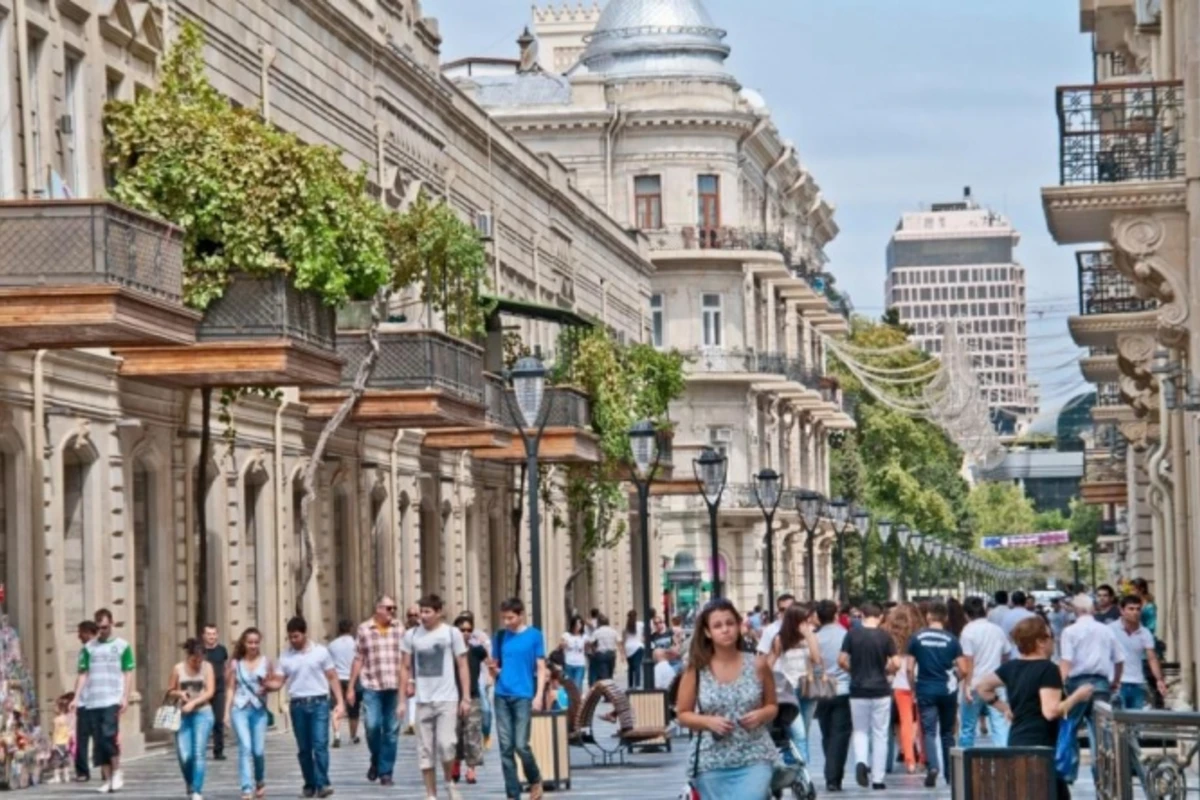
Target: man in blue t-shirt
519, 669
933, 654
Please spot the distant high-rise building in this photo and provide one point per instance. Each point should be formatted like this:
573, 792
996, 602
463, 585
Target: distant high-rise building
954, 263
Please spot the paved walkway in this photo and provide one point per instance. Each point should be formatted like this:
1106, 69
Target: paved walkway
651, 776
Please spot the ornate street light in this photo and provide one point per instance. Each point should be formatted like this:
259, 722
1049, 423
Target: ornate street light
711, 469
767, 492
1075, 557
884, 526
809, 504
903, 532
839, 510
643, 443
528, 378
862, 524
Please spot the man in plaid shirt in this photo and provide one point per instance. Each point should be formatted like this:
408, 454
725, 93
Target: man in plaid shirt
377, 668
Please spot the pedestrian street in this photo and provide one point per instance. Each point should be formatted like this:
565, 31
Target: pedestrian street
644, 776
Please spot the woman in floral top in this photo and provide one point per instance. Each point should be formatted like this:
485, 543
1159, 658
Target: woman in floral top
728, 697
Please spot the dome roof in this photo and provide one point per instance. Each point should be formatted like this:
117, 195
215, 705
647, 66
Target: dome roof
647, 38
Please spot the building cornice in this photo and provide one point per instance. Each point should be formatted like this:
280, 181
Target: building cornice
1084, 213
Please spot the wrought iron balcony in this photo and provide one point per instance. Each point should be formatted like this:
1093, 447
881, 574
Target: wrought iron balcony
751, 362
417, 360
494, 392
1103, 289
698, 237
1112, 132
1108, 394
269, 307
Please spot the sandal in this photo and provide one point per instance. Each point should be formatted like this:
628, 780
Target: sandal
260, 791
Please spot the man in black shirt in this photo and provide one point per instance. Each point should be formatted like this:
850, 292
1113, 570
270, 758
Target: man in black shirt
216, 654
1106, 605
869, 655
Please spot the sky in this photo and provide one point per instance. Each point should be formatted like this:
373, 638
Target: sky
895, 104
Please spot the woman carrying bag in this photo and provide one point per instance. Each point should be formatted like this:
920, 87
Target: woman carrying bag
250, 677
191, 688
796, 654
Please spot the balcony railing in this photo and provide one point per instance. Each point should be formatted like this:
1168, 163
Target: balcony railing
1111, 132
1108, 394
751, 362
699, 237
494, 393
270, 307
90, 242
1104, 289
416, 360
1115, 64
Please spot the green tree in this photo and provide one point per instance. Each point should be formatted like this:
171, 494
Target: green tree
1002, 508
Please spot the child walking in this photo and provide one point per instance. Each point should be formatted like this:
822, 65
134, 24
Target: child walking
62, 739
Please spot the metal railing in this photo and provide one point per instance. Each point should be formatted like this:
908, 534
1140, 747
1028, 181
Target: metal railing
416, 360
1104, 289
699, 237
749, 361
269, 307
1112, 132
92, 242
1108, 394
494, 394
1114, 64
1158, 748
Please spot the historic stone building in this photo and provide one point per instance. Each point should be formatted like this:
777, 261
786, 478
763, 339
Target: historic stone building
636, 100
97, 469
1130, 168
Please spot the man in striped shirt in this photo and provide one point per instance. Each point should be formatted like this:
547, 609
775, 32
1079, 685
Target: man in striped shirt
106, 673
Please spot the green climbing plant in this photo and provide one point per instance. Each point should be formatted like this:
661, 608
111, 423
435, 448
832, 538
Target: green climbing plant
249, 197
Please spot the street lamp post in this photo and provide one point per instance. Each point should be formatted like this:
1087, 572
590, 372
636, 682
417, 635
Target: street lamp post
809, 503
884, 526
1075, 556
1093, 548
918, 543
839, 510
529, 387
643, 443
711, 469
767, 492
903, 532
862, 523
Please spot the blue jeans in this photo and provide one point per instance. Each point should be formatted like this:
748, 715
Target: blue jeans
310, 724
751, 782
634, 662
191, 746
576, 675
938, 713
801, 725
1133, 696
1083, 711
485, 708
513, 716
250, 727
972, 709
383, 728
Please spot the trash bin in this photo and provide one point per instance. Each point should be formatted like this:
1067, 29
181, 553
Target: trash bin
1003, 773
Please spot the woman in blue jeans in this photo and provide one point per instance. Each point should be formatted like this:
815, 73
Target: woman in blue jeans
249, 677
192, 686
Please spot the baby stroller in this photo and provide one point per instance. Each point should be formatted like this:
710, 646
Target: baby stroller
793, 772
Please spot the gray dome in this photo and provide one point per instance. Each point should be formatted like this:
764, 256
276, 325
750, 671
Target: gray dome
648, 38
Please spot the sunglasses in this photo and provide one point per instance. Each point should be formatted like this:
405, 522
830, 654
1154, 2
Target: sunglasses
389, 608
467, 629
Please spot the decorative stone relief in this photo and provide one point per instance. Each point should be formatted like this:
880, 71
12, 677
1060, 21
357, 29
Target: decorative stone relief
1140, 434
1138, 240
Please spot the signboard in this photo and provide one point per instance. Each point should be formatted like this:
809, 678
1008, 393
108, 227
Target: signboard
1045, 539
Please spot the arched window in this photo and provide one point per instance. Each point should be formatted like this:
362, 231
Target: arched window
346, 572
297, 543
379, 528
79, 521
256, 524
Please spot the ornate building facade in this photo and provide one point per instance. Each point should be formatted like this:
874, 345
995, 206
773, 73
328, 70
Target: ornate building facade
1130, 168
98, 470
636, 101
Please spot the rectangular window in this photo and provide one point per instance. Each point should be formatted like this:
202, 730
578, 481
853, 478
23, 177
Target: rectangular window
720, 439
710, 309
647, 202
656, 319
114, 81
708, 193
74, 158
35, 115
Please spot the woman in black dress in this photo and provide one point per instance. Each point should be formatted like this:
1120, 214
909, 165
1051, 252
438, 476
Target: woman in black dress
1034, 688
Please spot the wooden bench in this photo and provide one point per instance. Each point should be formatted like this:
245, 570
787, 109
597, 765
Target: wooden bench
607, 747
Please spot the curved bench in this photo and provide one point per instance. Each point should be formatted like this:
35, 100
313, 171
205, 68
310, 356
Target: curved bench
610, 748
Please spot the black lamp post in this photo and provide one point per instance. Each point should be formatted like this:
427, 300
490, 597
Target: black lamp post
529, 386
884, 526
809, 503
839, 510
862, 524
903, 532
643, 442
1075, 557
1093, 549
767, 492
710, 470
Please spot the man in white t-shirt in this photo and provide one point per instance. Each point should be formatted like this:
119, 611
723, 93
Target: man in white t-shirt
1138, 644
434, 671
985, 646
782, 604
342, 650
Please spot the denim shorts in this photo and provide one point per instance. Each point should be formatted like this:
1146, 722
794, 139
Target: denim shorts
749, 782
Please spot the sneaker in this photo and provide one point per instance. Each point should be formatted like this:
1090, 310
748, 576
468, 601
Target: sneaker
386, 780
931, 778
454, 795
197, 796
878, 787
218, 756
105, 788
326, 792
372, 773
862, 775
118, 781
409, 730
337, 741
355, 740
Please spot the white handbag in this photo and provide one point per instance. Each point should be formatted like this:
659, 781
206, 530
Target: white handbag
168, 717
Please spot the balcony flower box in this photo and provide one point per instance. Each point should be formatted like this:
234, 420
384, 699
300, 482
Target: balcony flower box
90, 273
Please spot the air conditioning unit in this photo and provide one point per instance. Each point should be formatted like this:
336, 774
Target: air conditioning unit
485, 224
722, 435
66, 124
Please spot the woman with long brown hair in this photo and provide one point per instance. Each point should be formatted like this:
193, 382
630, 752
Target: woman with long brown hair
728, 697
902, 622
250, 677
797, 655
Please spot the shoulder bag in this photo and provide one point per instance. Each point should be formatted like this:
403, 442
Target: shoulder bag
169, 716
262, 701
815, 686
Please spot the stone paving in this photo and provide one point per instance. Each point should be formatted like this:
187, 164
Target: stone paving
650, 776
